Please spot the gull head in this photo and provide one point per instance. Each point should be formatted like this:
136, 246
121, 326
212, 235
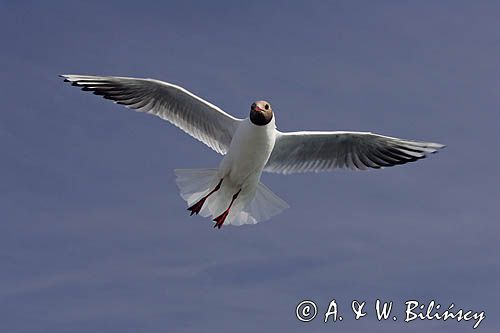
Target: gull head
261, 113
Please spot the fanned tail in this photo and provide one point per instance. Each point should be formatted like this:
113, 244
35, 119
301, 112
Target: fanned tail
249, 208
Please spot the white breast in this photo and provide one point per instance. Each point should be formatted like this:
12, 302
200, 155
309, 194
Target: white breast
249, 151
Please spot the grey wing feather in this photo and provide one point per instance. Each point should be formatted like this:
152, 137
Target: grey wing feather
324, 151
197, 117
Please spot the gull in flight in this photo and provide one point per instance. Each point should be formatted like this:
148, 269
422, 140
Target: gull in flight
233, 193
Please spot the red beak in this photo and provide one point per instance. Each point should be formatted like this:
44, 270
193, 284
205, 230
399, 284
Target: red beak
258, 109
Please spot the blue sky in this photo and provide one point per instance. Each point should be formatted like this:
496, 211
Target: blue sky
94, 237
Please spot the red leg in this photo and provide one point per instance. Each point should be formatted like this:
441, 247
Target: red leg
195, 209
219, 220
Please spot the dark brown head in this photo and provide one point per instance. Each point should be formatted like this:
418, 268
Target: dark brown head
261, 113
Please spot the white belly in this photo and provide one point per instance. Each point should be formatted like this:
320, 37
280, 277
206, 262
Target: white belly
248, 153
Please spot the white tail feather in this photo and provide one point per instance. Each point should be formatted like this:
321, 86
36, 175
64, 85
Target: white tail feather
264, 205
196, 183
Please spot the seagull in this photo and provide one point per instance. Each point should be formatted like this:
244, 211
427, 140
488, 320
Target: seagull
232, 193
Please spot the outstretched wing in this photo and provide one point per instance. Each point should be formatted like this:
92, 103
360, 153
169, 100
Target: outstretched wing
195, 116
325, 151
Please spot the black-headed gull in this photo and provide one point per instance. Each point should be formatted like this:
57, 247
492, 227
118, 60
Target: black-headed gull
233, 193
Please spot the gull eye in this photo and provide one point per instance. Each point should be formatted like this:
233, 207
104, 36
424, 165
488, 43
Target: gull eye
266, 107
